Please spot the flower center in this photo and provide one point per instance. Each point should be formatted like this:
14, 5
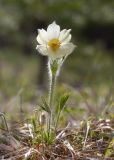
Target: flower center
54, 44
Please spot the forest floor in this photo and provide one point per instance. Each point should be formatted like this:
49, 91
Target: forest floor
92, 140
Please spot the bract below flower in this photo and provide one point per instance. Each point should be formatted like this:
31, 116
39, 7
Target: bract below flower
53, 42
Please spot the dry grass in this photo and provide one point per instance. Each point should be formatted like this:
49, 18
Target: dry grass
91, 141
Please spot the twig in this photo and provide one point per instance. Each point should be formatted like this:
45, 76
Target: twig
87, 131
63, 131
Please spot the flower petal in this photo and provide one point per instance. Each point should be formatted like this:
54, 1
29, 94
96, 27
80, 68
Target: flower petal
42, 49
64, 34
64, 50
40, 40
53, 30
67, 40
42, 37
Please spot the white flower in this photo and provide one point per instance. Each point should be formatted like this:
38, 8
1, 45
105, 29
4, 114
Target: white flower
53, 42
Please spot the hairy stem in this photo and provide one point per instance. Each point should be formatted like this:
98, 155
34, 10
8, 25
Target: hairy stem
51, 97
53, 70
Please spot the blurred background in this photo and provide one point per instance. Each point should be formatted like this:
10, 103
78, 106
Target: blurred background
88, 73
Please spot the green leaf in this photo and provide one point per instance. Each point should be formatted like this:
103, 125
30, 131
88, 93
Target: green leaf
63, 100
34, 124
110, 149
44, 106
49, 138
57, 107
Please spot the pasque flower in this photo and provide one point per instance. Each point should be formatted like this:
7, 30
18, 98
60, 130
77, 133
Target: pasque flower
53, 42
57, 46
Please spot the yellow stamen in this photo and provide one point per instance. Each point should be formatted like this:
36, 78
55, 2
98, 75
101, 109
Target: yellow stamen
54, 44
